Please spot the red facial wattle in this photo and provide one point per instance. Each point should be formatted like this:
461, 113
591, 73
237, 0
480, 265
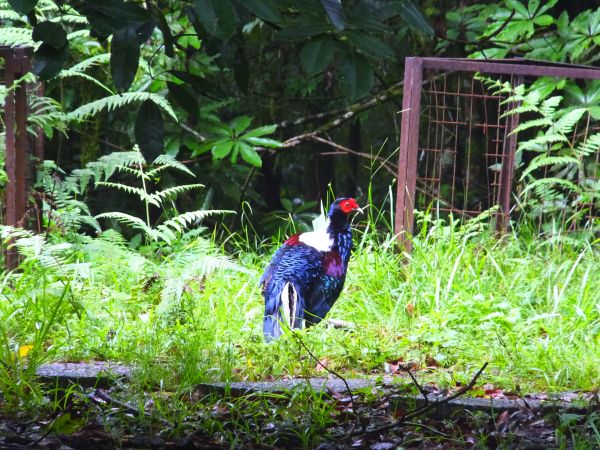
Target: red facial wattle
349, 205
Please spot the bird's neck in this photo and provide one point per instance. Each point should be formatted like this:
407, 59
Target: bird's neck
339, 230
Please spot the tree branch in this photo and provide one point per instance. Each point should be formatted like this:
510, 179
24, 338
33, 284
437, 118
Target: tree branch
429, 406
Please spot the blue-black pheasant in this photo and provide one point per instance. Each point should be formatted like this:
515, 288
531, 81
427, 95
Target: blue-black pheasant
307, 273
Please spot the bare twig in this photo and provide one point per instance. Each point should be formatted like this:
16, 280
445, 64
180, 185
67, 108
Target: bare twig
415, 382
193, 132
335, 374
100, 394
384, 162
427, 427
429, 406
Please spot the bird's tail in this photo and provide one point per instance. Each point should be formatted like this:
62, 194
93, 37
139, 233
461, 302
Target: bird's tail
284, 308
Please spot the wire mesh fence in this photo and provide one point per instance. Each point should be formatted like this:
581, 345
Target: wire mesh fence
461, 140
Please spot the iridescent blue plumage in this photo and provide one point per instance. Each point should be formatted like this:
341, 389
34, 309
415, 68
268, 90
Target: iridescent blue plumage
307, 273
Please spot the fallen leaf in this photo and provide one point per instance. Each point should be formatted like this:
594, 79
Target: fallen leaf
502, 421
430, 361
322, 365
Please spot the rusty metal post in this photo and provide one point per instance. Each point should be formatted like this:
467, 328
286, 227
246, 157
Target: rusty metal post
407, 160
508, 165
17, 143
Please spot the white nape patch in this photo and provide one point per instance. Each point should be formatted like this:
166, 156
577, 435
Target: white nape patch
318, 239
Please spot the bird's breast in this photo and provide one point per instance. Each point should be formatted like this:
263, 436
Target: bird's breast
333, 264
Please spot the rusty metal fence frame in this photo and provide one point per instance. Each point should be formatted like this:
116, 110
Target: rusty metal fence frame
410, 121
18, 145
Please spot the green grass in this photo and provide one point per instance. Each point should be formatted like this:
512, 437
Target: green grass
531, 310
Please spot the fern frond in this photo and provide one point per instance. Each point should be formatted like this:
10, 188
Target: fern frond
67, 73
168, 161
101, 59
174, 191
542, 140
74, 19
13, 36
127, 219
108, 164
130, 190
565, 124
186, 219
9, 15
544, 183
113, 237
520, 110
113, 102
543, 160
589, 147
132, 171
549, 105
163, 233
544, 122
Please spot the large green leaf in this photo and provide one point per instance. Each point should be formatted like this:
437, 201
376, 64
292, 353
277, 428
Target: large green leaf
264, 9
108, 16
333, 8
263, 142
239, 124
183, 96
249, 155
316, 54
50, 33
260, 131
218, 17
222, 149
412, 15
370, 45
124, 57
22, 6
301, 31
50, 57
149, 130
356, 76
49, 61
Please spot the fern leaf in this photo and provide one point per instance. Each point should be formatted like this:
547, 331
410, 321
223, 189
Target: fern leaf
520, 110
13, 36
544, 122
113, 102
565, 124
590, 146
549, 105
542, 140
9, 15
543, 160
127, 219
174, 191
66, 73
108, 164
101, 59
190, 217
168, 161
550, 181
135, 172
131, 190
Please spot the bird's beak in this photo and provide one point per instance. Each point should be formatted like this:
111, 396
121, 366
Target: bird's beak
361, 210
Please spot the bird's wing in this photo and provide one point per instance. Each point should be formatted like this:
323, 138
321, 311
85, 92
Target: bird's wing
326, 289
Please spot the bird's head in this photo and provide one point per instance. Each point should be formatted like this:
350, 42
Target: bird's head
344, 205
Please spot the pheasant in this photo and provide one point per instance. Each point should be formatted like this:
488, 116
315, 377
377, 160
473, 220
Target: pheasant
306, 274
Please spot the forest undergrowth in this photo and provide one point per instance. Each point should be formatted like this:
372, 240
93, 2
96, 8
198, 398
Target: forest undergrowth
462, 297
